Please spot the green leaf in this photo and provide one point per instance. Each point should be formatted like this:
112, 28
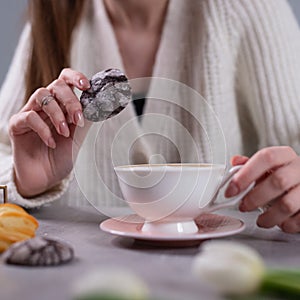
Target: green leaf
283, 282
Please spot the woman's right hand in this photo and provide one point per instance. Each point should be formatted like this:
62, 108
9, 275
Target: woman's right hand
42, 134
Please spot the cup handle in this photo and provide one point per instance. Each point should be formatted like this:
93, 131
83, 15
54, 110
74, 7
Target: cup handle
232, 201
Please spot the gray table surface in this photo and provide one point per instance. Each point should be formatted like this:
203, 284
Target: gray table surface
167, 271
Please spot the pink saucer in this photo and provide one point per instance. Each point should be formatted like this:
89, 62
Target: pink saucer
210, 226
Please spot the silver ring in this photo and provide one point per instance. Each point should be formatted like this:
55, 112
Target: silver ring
46, 100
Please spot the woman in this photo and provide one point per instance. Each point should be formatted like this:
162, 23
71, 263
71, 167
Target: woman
240, 55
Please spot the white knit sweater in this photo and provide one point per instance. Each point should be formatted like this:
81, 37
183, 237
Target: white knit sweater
242, 56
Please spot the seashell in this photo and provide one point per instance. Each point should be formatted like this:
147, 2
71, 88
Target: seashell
108, 95
15, 225
38, 251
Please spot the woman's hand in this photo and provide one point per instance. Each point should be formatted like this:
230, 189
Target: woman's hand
276, 171
42, 134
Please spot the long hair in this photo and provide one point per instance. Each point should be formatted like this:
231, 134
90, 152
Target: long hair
52, 23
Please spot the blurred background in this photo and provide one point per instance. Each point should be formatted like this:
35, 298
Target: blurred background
12, 17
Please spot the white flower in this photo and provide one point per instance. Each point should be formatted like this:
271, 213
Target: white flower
119, 283
229, 267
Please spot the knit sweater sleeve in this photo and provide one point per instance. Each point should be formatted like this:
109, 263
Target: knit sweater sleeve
11, 100
268, 70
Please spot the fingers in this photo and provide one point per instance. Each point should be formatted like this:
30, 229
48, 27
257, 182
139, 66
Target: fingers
66, 104
275, 185
235, 160
75, 79
239, 160
276, 171
62, 90
31, 121
292, 225
41, 100
282, 211
35, 100
57, 118
258, 165
52, 109
68, 100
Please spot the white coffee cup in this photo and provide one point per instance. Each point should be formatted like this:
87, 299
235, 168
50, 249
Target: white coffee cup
170, 196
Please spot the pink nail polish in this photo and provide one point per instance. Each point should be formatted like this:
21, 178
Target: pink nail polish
64, 129
232, 190
242, 207
84, 83
51, 143
78, 117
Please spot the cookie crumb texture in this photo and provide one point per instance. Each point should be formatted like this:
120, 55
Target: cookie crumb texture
109, 94
38, 251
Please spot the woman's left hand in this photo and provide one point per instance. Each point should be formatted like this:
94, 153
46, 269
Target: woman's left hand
276, 171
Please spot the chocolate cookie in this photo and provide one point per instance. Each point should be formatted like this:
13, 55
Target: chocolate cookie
108, 95
38, 251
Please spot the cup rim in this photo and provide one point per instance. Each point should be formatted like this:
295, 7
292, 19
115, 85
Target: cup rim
169, 166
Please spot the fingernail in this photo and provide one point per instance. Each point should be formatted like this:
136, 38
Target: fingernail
69, 120
78, 117
64, 129
51, 143
84, 83
232, 190
242, 207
